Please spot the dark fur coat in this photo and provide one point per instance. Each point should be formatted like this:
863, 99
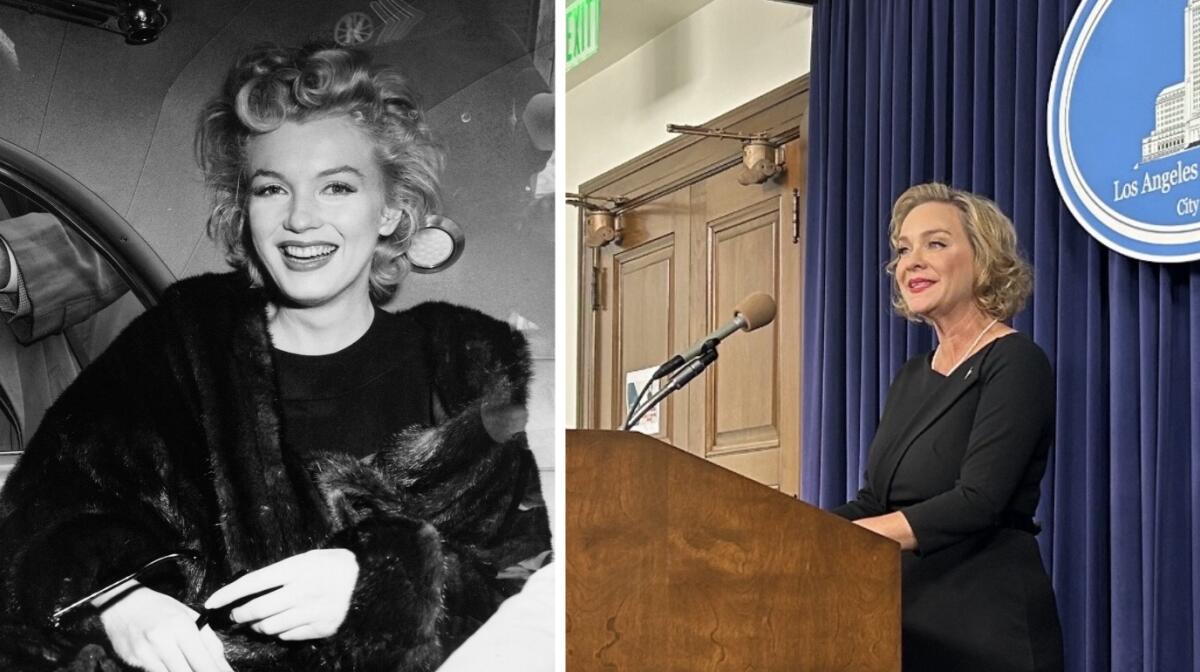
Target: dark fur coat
170, 441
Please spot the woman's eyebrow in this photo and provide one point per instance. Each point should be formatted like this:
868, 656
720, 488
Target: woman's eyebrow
324, 173
924, 234
340, 169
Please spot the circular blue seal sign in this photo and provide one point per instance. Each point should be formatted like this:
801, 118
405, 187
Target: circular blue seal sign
1124, 125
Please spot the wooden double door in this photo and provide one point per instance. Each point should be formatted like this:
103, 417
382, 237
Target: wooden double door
694, 243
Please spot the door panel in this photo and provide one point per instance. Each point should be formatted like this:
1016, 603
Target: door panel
644, 300
759, 465
737, 416
743, 257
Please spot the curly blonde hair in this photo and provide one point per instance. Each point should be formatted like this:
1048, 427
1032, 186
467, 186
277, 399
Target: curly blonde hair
1003, 280
272, 85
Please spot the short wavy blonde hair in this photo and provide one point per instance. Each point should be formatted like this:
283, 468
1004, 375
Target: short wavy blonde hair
1003, 280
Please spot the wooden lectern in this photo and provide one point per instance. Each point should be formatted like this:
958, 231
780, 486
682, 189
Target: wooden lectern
674, 563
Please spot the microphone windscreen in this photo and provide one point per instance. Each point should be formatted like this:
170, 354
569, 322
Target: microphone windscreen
758, 309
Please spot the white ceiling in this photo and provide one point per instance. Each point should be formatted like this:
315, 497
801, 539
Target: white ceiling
626, 25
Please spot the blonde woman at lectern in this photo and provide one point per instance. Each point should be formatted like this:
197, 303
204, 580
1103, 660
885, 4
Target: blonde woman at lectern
954, 469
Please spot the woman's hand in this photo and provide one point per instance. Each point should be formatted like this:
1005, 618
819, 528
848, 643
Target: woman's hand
158, 633
892, 525
308, 599
501, 417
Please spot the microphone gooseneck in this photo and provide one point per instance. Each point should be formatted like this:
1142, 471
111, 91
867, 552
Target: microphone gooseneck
753, 311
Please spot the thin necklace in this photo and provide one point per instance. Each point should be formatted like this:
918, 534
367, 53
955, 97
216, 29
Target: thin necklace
965, 354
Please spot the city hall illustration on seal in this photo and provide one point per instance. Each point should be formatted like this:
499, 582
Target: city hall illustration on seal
1124, 126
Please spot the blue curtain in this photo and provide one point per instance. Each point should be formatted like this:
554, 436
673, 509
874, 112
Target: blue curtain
955, 90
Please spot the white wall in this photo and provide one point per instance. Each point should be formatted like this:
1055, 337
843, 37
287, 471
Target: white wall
726, 54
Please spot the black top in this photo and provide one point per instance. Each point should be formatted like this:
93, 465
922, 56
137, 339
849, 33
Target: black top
351, 400
963, 457
963, 453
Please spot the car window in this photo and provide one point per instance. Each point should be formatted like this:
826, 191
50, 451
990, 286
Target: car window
63, 304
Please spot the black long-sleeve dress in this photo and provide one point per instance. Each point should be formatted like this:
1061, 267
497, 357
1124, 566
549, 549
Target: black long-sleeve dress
962, 456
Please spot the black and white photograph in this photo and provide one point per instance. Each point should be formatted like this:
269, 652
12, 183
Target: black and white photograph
277, 362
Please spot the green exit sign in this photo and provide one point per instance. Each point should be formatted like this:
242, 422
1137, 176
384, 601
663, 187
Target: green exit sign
583, 31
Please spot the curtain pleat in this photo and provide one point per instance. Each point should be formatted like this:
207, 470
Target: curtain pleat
956, 90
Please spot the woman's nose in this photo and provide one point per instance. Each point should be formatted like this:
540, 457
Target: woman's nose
301, 215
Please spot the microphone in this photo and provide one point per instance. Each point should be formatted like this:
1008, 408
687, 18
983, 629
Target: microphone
750, 313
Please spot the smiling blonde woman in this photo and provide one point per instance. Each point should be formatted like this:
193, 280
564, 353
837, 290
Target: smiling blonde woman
347, 487
955, 467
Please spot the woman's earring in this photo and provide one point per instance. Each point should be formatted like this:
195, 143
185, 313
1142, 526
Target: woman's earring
390, 221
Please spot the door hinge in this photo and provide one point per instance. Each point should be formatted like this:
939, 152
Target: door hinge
597, 277
795, 216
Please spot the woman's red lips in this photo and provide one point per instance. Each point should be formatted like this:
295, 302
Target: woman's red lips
918, 285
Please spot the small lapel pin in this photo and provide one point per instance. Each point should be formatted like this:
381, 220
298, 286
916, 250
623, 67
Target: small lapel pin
968, 373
